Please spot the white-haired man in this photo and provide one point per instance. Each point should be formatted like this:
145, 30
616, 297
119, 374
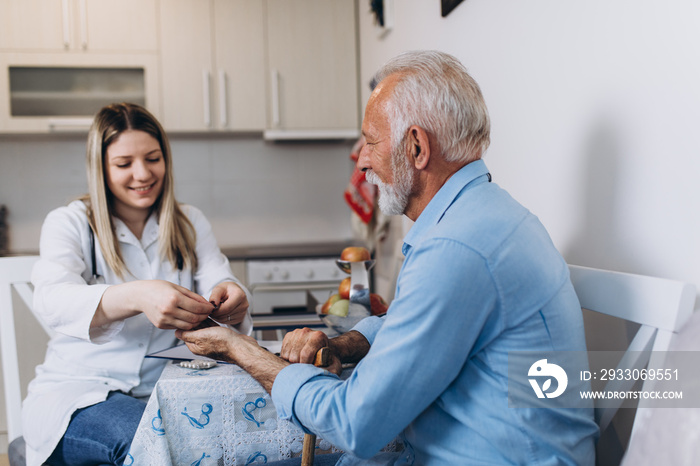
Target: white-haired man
481, 280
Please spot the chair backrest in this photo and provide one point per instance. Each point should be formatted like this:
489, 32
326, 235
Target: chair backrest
660, 307
14, 279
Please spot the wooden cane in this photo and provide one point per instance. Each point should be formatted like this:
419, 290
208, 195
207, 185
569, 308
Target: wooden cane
322, 359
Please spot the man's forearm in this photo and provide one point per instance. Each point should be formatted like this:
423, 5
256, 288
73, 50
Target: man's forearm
262, 365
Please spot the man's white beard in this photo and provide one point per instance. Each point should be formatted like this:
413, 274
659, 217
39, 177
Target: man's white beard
393, 199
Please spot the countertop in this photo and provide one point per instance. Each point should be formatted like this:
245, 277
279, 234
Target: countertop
271, 251
288, 251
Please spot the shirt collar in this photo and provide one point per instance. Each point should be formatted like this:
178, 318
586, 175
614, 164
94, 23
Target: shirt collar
149, 236
437, 206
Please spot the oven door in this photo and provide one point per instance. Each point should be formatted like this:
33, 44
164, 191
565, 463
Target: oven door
289, 298
282, 307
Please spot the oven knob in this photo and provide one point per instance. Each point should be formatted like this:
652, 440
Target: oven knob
268, 275
285, 274
310, 274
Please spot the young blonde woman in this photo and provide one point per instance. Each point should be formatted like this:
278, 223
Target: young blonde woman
120, 270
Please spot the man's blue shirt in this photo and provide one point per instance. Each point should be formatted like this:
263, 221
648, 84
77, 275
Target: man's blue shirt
481, 278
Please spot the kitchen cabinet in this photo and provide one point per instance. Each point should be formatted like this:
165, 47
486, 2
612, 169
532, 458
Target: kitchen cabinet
78, 25
61, 60
312, 69
45, 95
212, 61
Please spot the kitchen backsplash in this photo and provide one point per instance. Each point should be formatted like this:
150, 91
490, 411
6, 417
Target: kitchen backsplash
253, 192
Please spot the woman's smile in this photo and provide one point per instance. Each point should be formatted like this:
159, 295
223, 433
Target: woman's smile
143, 189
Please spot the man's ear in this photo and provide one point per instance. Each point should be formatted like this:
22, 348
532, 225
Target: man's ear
419, 147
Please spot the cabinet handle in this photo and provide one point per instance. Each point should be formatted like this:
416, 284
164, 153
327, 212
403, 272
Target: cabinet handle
83, 24
223, 98
69, 124
206, 79
66, 24
275, 98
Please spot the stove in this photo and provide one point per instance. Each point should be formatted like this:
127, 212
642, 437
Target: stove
280, 286
287, 282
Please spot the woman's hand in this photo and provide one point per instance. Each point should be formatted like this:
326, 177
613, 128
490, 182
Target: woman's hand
230, 303
165, 304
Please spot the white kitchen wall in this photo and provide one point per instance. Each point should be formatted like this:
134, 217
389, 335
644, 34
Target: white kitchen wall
595, 108
253, 192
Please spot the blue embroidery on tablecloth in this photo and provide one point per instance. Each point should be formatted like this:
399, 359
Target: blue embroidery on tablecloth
158, 429
203, 419
199, 461
253, 458
258, 403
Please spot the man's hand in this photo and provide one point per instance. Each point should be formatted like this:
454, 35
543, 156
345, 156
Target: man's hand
213, 342
302, 344
224, 344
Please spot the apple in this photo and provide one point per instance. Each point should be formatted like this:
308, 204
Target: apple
340, 308
355, 254
329, 302
344, 288
378, 304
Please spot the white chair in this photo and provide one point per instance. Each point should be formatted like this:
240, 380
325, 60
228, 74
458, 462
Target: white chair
659, 306
14, 283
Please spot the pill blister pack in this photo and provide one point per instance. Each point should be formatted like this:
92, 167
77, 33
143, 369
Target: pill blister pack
198, 364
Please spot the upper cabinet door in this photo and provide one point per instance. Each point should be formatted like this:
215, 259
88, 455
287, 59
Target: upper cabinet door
123, 25
312, 69
33, 25
212, 60
186, 65
78, 25
239, 47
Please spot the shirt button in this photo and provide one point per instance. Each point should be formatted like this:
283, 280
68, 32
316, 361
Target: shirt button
140, 345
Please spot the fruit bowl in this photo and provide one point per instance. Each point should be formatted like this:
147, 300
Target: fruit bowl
342, 313
356, 312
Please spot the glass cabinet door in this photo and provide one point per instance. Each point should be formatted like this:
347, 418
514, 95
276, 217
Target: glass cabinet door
64, 91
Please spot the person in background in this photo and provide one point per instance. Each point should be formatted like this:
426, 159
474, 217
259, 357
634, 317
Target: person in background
481, 280
119, 270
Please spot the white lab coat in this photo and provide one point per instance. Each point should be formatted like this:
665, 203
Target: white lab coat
83, 366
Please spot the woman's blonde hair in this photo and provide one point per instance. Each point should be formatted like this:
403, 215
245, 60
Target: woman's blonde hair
177, 237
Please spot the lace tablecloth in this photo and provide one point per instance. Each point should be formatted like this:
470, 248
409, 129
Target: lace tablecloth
217, 416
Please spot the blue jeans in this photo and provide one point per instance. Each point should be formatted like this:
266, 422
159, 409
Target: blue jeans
100, 434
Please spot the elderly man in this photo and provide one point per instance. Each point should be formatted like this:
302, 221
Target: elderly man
481, 279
